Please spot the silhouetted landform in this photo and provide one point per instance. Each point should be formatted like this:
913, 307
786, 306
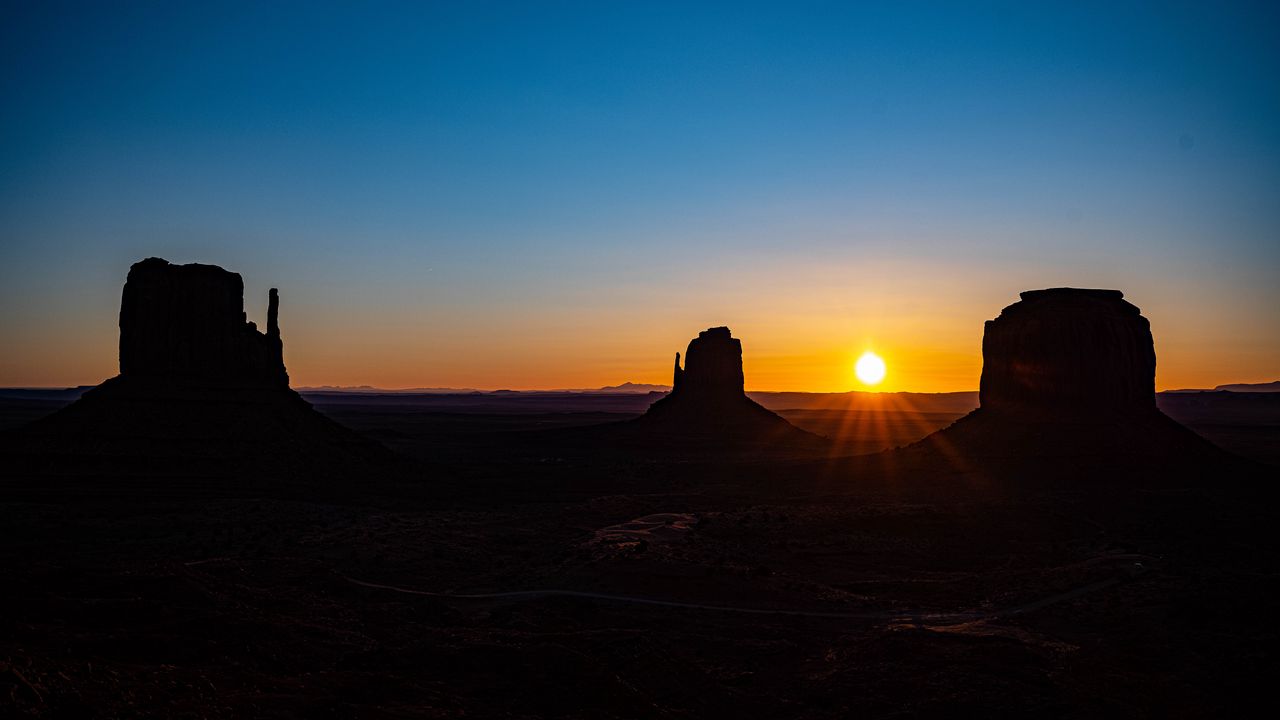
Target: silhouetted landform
627, 388
186, 325
1271, 387
200, 390
707, 413
371, 390
639, 403
1069, 372
634, 388
1246, 424
707, 404
1066, 352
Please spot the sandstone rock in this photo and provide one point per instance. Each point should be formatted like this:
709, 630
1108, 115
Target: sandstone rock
200, 392
707, 401
1068, 352
712, 367
186, 324
1068, 374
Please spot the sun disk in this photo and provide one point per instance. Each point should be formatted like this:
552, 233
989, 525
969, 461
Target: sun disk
870, 368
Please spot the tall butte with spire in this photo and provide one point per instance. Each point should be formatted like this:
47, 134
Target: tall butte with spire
708, 405
199, 386
185, 325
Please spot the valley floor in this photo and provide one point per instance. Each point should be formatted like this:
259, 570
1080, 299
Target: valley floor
487, 582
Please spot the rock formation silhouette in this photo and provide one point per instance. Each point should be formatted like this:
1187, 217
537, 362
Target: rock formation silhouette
707, 402
713, 372
200, 390
186, 324
1068, 352
1068, 372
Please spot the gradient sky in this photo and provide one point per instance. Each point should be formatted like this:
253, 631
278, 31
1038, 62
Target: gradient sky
537, 194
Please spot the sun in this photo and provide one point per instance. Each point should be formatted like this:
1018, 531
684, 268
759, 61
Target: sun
870, 368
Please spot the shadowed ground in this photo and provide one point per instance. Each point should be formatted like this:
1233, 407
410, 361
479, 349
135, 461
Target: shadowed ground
1247, 424
898, 576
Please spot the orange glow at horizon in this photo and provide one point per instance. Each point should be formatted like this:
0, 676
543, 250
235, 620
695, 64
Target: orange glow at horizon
801, 331
766, 363
770, 364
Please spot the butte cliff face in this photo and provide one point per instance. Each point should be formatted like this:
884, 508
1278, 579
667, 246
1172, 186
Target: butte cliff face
707, 403
1068, 352
200, 391
186, 324
1068, 373
713, 369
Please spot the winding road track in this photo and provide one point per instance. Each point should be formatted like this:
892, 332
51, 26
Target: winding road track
1134, 565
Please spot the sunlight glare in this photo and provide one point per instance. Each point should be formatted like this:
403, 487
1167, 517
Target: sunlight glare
870, 368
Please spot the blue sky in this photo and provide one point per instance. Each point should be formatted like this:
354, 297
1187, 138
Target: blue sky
549, 194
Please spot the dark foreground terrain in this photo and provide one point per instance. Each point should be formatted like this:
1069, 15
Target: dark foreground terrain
501, 572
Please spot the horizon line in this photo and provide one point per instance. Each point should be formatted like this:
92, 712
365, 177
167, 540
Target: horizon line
605, 389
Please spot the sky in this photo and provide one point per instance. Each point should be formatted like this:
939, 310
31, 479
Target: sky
561, 195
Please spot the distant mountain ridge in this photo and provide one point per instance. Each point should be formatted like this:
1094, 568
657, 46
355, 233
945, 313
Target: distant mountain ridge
950, 401
1270, 387
626, 387
633, 388
369, 389
1273, 386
